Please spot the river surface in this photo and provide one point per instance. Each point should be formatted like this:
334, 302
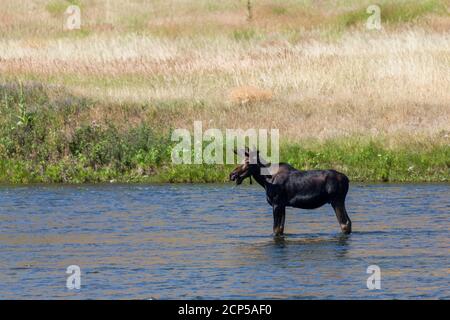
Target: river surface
214, 241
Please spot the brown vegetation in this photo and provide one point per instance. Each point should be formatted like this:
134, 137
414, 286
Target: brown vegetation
311, 70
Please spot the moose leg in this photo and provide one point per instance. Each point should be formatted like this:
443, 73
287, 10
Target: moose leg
279, 214
342, 216
283, 218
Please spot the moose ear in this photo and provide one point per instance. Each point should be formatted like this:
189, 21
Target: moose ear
241, 153
259, 159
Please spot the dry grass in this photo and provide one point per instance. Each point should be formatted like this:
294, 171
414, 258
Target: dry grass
249, 95
202, 60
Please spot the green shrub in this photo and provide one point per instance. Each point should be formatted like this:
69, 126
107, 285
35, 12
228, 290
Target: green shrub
53, 140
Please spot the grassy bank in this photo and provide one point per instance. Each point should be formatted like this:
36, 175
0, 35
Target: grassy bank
99, 104
205, 60
50, 136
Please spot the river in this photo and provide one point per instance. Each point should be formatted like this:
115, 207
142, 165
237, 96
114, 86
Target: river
215, 242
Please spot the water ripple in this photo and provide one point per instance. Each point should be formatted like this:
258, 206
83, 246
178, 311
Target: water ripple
214, 241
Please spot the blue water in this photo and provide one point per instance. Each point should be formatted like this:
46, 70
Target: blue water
214, 241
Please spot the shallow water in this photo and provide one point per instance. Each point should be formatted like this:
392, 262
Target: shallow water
214, 241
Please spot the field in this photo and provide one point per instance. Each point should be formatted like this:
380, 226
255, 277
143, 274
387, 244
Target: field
99, 103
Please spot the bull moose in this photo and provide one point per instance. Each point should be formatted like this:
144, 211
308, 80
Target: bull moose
289, 187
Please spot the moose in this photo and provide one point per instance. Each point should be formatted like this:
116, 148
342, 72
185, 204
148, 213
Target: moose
289, 187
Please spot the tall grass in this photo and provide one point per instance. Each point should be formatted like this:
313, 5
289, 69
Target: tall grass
137, 69
53, 137
382, 84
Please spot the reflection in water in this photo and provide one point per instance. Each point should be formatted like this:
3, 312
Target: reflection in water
140, 242
290, 239
304, 247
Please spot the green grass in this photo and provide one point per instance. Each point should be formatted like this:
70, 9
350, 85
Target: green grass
408, 11
367, 159
279, 10
392, 12
271, 16
58, 7
245, 34
50, 138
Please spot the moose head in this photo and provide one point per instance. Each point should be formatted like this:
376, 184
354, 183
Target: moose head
249, 167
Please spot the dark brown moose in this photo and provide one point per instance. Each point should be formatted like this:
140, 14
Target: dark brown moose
289, 187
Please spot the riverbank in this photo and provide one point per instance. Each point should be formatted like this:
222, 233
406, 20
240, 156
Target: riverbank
361, 161
99, 103
50, 136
